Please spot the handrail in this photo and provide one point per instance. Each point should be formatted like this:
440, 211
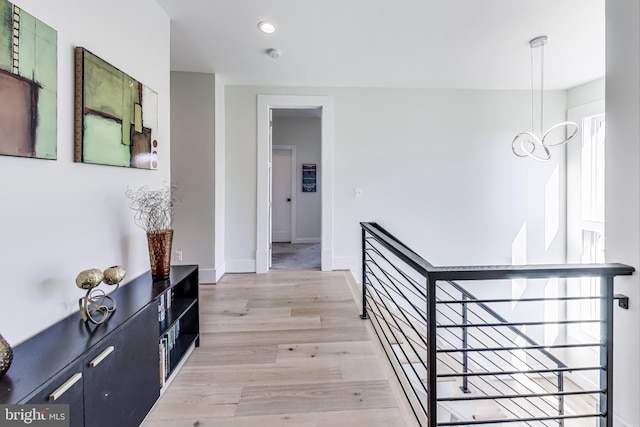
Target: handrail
489, 272
375, 261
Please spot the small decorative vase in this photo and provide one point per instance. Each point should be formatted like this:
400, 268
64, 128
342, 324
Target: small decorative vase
6, 356
160, 253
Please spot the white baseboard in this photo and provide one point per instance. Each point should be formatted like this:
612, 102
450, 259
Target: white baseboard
207, 275
299, 240
345, 263
221, 269
326, 257
260, 265
240, 266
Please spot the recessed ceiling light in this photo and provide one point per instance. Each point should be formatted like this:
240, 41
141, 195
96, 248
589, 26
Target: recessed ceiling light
267, 27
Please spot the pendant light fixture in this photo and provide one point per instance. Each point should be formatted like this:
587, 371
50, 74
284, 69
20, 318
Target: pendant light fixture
528, 144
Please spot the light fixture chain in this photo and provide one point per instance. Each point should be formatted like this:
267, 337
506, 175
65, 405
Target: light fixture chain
533, 95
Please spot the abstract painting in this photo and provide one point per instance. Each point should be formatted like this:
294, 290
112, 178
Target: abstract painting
309, 178
28, 85
116, 116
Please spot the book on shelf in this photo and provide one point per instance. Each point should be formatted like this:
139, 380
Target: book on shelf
163, 361
162, 309
169, 298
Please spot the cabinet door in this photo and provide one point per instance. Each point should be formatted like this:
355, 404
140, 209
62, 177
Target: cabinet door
65, 388
121, 373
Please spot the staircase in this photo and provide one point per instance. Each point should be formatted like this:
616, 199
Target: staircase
488, 368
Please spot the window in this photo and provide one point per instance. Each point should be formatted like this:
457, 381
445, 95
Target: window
585, 215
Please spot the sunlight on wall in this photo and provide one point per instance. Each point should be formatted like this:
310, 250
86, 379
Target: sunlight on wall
551, 309
551, 208
519, 357
519, 257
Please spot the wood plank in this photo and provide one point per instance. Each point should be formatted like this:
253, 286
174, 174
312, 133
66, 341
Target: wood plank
260, 324
264, 374
329, 350
211, 355
315, 397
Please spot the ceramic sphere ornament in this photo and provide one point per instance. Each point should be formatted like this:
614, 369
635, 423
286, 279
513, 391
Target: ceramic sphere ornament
114, 275
89, 279
6, 356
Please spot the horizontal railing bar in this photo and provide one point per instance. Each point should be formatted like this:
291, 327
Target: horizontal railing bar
415, 285
398, 248
518, 420
515, 372
392, 328
395, 370
497, 325
493, 313
530, 347
519, 396
505, 300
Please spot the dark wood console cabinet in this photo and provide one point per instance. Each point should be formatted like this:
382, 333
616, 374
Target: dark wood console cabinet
109, 374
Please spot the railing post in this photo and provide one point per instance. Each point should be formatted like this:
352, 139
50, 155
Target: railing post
606, 353
561, 397
364, 315
432, 373
465, 343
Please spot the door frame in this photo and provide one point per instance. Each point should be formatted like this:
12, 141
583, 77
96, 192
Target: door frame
292, 149
265, 104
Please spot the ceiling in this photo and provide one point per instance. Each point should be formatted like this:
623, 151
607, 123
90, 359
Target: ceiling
466, 44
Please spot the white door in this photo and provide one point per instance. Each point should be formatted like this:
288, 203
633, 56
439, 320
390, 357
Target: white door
281, 193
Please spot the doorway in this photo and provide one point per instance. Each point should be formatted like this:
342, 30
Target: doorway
266, 104
295, 188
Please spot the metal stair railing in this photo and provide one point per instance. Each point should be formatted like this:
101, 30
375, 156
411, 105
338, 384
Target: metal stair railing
437, 334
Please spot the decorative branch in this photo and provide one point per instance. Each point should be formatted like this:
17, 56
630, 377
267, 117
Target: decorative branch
154, 209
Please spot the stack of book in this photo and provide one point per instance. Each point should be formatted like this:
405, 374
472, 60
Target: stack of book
168, 340
164, 304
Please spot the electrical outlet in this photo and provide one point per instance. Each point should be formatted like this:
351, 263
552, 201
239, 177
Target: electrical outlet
177, 255
357, 193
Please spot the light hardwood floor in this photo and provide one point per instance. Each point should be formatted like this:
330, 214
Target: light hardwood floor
286, 348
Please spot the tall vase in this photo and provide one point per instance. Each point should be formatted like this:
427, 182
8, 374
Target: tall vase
6, 356
160, 253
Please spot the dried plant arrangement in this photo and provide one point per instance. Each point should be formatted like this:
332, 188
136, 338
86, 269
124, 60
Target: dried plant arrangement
154, 209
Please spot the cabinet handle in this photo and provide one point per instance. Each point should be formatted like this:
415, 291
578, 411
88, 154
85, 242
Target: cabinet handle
66, 386
99, 358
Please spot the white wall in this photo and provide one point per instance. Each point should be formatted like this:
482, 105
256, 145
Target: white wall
305, 135
436, 168
586, 93
622, 211
59, 217
192, 157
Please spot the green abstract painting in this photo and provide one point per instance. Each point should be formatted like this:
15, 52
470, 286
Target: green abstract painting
28, 85
116, 116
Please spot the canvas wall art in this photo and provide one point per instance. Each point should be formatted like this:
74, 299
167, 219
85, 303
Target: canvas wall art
309, 178
116, 116
28, 85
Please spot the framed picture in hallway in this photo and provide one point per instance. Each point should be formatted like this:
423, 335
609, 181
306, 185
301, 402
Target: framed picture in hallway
309, 178
116, 116
28, 85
